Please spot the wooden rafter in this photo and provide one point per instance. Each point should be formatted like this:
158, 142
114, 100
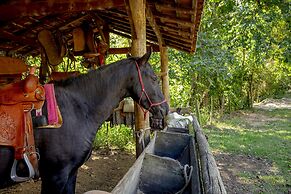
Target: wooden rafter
198, 6
175, 31
126, 50
153, 24
18, 39
131, 23
35, 8
169, 22
170, 7
182, 22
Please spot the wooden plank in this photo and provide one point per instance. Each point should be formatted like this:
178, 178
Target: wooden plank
178, 43
177, 39
175, 35
19, 39
166, 18
126, 50
113, 19
212, 181
130, 19
175, 31
73, 22
112, 30
181, 48
170, 7
121, 31
153, 24
198, 13
36, 8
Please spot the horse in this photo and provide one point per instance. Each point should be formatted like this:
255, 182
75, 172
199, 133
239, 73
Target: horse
85, 102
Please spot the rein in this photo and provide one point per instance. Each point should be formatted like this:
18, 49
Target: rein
143, 92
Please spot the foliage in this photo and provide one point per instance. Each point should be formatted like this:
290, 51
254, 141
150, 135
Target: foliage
243, 55
118, 137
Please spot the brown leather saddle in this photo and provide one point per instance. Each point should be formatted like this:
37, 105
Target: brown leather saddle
17, 100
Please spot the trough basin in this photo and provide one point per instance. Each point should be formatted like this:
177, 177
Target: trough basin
167, 165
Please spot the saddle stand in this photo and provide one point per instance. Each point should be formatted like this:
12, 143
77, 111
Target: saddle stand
17, 100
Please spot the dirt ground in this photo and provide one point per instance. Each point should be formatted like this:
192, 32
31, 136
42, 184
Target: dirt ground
103, 170
231, 165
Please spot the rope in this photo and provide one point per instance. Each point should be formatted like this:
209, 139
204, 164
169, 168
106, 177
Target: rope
140, 134
186, 177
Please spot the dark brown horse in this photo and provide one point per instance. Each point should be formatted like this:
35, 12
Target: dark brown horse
85, 103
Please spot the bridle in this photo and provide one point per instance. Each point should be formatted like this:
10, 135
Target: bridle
143, 92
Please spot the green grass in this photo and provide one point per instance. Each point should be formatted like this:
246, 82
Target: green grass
269, 139
117, 137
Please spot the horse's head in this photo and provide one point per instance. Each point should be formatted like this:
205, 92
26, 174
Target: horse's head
146, 89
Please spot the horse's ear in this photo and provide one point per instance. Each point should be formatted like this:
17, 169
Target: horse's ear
144, 59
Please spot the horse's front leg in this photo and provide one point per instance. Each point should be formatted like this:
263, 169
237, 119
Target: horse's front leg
71, 183
54, 182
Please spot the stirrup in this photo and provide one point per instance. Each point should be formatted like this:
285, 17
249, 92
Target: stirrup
13, 174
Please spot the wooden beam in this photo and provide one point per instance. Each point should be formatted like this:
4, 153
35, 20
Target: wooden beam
198, 13
126, 50
182, 22
118, 13
120, 25
19, 39
72, 22
138, 49
153, 24
121, 30
182, 48
113, 19
112, 30
170, 7
36, 8
130, 19
177, 33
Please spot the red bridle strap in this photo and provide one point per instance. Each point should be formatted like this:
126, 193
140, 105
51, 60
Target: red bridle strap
143, 92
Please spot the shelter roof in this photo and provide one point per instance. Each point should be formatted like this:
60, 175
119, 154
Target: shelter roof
174, 23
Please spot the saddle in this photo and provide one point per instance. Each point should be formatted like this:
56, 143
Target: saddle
17, 100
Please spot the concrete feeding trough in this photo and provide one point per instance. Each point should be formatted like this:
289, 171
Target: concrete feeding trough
167, 165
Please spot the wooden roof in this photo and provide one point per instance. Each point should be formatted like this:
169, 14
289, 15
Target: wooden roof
174, 23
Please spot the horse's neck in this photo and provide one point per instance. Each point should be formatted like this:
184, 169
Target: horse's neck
102, 90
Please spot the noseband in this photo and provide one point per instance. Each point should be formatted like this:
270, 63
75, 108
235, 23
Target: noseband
143, 92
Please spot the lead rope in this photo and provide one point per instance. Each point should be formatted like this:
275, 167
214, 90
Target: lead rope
186, 177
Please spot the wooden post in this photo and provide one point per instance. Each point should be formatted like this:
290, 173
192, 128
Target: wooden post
165, 72
138, 49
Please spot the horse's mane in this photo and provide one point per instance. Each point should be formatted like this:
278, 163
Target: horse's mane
95, 74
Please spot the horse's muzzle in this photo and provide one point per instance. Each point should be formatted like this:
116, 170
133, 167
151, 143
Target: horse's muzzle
161, 111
